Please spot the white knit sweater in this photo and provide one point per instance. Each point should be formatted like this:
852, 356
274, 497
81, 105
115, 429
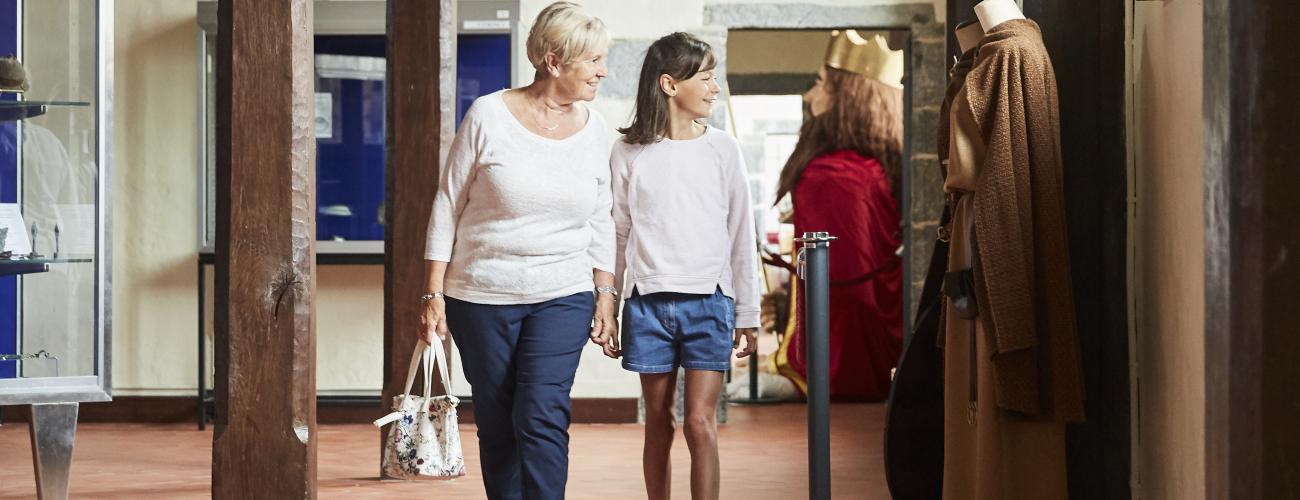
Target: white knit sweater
521, 218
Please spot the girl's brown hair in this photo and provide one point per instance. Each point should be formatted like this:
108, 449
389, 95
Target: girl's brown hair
679, 55
865, 116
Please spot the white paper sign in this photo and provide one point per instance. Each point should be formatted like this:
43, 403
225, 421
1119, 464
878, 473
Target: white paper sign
16, 239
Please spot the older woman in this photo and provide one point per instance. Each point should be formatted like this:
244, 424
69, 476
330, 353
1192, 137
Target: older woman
521, 235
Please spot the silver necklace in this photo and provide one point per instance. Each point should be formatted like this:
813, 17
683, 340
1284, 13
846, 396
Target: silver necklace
538, 121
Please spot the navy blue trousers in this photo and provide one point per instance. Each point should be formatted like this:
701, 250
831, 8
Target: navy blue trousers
520, 360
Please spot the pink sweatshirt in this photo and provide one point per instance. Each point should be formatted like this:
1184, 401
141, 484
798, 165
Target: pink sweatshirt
683, 220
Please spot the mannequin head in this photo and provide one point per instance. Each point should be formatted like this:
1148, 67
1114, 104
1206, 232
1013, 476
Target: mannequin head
817, 100
994, 12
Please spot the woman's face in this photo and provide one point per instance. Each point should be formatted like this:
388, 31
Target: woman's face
696, 95
579, 80
818, 98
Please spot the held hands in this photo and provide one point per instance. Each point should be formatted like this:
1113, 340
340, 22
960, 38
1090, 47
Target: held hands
604, 325
751, 341
434, 320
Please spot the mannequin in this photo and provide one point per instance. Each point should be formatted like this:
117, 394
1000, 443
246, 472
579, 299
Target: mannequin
994, 12
969, 34
1012, 367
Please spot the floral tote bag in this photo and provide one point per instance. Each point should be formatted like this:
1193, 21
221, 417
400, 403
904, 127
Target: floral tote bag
424, 440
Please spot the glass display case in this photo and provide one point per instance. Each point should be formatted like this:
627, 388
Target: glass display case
55, 117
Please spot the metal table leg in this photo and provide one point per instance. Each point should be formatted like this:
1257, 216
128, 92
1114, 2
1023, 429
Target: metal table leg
53, 428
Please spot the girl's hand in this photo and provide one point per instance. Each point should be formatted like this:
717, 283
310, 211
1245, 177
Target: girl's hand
751, 341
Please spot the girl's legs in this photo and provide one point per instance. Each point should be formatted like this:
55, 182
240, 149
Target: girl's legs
702, 391
659, 391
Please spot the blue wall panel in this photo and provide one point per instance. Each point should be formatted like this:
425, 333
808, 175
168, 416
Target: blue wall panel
350, 163
8, 193
482, 67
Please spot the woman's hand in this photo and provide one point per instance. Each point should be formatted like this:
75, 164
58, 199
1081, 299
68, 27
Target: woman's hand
434, 320
604, 325
751, 341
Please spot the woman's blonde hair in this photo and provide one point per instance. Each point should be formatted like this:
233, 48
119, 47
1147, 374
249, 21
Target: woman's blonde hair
568, 31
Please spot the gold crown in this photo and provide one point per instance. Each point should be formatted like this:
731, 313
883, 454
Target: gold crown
867, 57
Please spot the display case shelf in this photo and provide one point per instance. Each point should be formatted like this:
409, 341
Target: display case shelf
12, 267
22, 110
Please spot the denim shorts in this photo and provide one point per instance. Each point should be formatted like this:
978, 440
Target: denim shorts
662, 331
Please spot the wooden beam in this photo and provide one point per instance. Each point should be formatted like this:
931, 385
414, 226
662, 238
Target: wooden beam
1251, 289
414, 130
264, 445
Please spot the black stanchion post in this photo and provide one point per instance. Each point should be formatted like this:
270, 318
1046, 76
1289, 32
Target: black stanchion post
813, 269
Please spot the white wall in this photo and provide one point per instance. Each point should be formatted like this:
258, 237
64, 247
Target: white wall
155, 186
156, 203
1170, 250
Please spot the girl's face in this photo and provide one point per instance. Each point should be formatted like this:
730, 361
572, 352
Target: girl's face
579, 80
694, 97
818, 98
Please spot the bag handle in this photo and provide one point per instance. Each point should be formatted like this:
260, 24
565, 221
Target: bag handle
423, 357
440, 360
418, 358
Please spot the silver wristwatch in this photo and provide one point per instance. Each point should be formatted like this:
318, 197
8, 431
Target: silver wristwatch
431, 295
607, 289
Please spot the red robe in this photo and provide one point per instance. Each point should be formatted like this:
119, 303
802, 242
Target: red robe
849, 196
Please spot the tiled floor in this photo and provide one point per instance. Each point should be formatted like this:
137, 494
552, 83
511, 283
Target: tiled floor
764, 456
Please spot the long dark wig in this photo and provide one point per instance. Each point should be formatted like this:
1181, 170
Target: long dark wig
865, 116
679, 55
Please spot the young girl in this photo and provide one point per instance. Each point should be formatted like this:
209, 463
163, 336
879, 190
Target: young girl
686, 256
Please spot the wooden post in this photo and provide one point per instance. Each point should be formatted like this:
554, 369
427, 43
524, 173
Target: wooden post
1251, 289
414, 128
264, 445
